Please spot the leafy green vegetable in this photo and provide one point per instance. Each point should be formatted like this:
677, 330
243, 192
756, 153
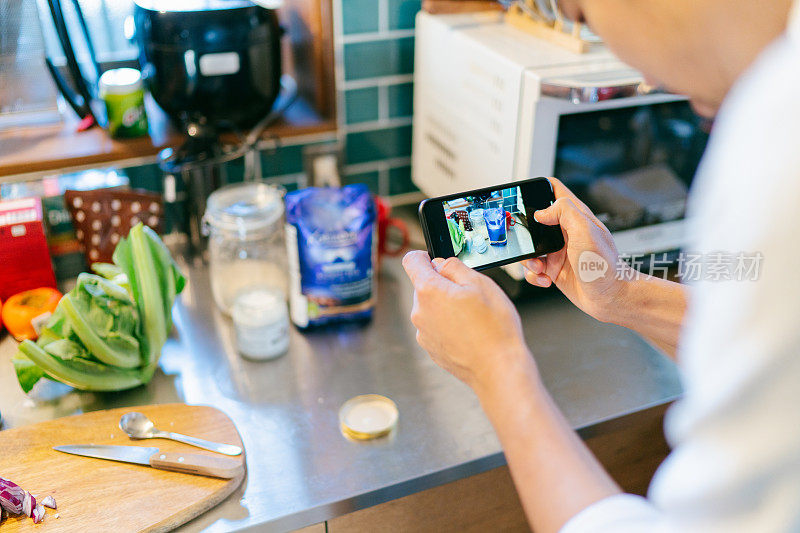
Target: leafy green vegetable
27, 371
103, 325
65, 349
79, 373
112, 272
107, 333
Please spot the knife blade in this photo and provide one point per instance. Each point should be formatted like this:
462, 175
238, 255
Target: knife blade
139, 455
188, 463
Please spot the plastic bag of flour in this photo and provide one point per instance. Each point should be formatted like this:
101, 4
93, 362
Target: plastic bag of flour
331, 246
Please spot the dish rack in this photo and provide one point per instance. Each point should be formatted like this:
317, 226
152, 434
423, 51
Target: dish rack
542, 19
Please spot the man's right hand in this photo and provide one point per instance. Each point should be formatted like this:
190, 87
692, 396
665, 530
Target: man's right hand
587, 240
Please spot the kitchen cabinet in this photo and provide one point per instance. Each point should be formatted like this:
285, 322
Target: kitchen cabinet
483, 502
316, 528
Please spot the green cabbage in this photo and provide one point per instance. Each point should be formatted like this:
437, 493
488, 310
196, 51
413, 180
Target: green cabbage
107, 333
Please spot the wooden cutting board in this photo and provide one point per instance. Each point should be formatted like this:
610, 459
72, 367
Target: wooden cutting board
99, 495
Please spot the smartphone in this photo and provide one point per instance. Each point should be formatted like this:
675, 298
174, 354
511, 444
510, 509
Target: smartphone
492, 226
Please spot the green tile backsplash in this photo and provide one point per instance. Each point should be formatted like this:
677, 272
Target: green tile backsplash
400, 100
361, 105
371, 179
359, 16
371, 145
401, 13
374, 78
373, 59
284, 160
400, 181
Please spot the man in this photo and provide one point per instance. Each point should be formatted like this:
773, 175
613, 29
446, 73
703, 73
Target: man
735, 464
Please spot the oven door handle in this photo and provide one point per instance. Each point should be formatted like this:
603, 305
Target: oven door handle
589, 94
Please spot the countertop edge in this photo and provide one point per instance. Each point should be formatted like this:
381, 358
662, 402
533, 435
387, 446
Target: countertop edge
407, 487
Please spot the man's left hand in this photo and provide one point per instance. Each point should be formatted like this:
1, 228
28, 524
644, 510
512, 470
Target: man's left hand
463, 319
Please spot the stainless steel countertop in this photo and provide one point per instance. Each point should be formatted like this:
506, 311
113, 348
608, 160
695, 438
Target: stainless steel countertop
301, 470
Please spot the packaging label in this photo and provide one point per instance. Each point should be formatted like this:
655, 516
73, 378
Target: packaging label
24, 258
126, 114
330, 239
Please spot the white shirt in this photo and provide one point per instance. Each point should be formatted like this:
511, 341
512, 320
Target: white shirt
736, 432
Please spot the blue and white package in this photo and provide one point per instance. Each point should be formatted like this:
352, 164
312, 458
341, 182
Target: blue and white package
331, 243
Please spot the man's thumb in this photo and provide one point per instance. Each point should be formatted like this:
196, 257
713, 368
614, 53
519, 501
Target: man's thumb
547, 216
456, 271
562, 212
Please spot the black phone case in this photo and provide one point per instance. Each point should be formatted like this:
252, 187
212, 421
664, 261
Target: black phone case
428, 239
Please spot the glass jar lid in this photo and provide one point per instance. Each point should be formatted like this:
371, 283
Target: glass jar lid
368, 416
244, 207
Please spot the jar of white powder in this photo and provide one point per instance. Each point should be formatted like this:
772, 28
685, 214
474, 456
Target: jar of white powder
246, 247
261, 323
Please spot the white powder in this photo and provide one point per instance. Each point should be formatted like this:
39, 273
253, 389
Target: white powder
261, 320
231, 278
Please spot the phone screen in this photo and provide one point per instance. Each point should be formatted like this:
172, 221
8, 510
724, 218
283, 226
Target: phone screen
492, 226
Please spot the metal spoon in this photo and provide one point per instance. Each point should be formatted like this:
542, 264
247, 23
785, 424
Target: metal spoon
138, 426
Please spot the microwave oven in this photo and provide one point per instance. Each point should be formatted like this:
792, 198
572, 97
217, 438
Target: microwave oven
494, 104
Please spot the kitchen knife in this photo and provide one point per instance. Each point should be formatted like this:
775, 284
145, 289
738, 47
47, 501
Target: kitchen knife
188, 463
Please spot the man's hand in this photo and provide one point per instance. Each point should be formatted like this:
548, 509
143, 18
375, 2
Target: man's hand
463, 319
651, 306
587, 239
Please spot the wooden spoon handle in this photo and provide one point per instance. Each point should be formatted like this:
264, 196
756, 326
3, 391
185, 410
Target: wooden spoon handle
201, 465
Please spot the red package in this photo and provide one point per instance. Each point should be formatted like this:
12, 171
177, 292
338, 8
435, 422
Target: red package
24, 258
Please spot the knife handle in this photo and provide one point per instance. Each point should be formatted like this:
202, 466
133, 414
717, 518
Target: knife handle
201, 465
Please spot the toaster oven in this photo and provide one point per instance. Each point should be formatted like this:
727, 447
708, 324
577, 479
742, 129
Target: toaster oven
494, 104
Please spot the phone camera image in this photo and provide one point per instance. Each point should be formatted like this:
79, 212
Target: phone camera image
488, 227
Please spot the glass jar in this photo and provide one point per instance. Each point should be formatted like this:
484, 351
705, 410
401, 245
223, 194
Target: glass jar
246, 247
261, 322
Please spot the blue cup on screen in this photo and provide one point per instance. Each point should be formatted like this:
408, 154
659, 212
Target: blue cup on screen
495, 218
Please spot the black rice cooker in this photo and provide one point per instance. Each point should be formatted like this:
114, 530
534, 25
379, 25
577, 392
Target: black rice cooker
212, 63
